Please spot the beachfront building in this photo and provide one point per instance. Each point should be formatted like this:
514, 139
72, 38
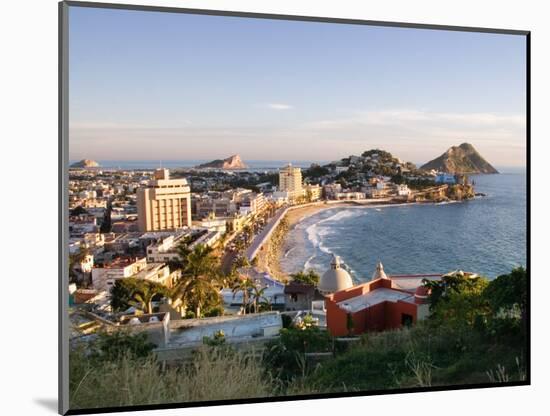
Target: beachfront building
312, 192
290, 179
290, 184
445, 178
385, 302
349, 196
335, 279
253, 203
402, 190
331, 190
164, 203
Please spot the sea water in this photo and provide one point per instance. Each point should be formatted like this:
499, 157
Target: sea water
486, 235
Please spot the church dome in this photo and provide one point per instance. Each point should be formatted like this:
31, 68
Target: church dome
334, 279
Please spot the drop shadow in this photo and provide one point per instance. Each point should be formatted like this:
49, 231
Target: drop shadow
47, 403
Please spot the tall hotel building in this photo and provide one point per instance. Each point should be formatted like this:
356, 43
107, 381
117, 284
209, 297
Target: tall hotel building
290, 180
164, 204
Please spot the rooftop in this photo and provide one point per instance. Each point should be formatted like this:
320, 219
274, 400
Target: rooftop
411, 282
121, 262
191, 331
150, 268
374, 297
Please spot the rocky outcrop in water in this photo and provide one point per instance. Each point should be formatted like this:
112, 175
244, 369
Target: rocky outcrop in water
232, 162
85, 163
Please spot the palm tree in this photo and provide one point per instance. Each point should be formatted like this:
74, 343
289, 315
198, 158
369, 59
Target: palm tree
247, 230
242, 261
143, 298
197, 291
183, 251
257, 297
245, 286
201, 279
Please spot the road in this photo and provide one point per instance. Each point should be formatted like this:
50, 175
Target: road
261, 238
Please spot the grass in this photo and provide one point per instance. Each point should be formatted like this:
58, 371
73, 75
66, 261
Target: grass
214, 374
421, 356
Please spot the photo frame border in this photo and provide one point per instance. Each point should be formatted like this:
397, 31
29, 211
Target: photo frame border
63, 213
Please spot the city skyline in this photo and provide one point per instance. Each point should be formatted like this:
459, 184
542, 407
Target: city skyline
161, 86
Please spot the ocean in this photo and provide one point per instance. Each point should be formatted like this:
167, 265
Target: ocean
253, 165
486, 235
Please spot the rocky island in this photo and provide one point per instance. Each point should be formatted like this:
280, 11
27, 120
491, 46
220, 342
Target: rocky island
460, 160
85, 163
232, 162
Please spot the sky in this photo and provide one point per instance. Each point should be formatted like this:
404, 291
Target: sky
169, 86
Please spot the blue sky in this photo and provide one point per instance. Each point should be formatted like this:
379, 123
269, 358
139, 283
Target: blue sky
151, 85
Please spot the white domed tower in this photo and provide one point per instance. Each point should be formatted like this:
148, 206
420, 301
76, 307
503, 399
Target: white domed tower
334, 279
379, 273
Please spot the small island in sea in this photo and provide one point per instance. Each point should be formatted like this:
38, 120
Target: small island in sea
229, 163
85, 163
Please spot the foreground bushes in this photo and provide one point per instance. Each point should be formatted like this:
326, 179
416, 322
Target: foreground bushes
476, 335
215, 374
421, 356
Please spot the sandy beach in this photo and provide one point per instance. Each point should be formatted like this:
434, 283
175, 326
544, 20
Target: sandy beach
269, 258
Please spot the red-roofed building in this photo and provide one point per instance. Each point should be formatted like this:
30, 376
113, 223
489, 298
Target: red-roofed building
381, 304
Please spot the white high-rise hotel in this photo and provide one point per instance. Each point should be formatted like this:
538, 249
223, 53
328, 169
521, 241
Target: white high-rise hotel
290, 180
164, 204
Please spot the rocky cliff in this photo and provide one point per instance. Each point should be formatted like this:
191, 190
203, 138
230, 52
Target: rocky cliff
460, 159
85, 163
232, 162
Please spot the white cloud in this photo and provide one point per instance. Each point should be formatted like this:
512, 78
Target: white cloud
419, 135
279, 106
415, 118
415, 135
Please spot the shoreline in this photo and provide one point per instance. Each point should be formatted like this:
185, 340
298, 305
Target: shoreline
269, 260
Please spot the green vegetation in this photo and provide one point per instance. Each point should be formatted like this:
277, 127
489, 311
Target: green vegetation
311, 277
79, 210
472, 336
316, 171
254, 299
215, 374
106, 222
475, 334
285, 356
201, 279
136, 292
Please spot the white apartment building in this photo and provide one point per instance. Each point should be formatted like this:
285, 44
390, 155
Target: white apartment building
290, 179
